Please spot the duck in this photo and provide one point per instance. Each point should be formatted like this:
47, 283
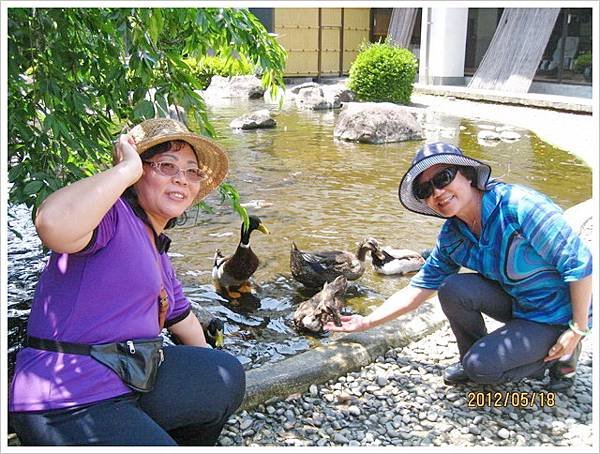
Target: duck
231, 274
314, 269
390, 261
213, 328
323, 307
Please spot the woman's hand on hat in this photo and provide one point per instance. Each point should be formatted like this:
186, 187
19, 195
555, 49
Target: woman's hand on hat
126, 155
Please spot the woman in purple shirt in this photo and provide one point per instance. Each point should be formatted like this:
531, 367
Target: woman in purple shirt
106, 282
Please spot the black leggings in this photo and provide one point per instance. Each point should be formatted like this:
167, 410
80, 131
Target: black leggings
514, 351
196, 391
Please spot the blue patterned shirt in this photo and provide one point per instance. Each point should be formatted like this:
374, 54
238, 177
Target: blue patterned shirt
525, 244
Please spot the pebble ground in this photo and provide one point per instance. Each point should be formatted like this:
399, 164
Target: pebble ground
401, 400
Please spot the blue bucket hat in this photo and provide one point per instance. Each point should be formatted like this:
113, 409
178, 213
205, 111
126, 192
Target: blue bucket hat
430, 155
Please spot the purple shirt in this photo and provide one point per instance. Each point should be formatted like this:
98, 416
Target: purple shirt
106, 293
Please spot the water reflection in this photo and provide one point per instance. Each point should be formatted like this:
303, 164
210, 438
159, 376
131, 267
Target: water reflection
321, 193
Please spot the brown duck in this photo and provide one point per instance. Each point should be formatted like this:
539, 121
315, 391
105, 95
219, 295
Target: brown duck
323, 307
231, 275
313, 269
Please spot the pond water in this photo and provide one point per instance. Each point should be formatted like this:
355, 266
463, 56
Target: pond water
320, 193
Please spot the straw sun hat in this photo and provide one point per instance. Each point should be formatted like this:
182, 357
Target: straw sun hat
427, 156
212, 159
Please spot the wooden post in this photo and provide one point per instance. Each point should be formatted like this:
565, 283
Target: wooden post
342, 45
320, 38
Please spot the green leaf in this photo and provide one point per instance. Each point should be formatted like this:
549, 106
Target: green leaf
144, 109
154, 27
15, 172
33, 187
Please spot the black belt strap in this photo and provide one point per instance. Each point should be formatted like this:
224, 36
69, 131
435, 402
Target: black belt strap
57, 346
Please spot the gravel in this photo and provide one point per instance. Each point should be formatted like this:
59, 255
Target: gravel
401, 400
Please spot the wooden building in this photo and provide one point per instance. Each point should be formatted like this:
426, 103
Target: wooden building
319, 41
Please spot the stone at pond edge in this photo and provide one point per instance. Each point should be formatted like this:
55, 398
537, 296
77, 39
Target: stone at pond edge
295, 90
248, 87
372, 122
254, 120
313, 98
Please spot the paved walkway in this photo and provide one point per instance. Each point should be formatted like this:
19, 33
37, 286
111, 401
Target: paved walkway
575, 133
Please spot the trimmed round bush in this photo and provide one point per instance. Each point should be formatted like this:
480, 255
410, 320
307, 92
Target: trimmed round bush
583, 61
383, 72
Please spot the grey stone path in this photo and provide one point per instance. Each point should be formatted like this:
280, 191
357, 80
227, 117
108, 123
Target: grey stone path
401, 400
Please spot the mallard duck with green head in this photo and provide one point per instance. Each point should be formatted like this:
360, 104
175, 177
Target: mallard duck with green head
213, 327
231, 275
315, 268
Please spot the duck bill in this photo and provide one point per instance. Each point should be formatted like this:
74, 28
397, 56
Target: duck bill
263, 229
219, 339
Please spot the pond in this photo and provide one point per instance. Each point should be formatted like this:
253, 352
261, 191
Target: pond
320, 193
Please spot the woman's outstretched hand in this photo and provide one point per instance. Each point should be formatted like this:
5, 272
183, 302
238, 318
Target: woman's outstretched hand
125, 152
350, 323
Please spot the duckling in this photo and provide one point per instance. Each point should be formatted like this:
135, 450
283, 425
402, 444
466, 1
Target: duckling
313, 269
390, 261
323, 307
231, 274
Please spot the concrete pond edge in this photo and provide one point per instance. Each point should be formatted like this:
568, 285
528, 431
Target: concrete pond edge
345, 353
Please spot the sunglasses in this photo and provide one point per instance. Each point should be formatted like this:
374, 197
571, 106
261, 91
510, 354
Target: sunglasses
168, 169
440, 180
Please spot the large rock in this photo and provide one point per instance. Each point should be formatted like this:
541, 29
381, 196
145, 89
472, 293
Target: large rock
254, 120
313, 98
296, 89
338, 93
372, 122
235, 87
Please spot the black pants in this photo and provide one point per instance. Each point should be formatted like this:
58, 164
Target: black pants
514, 351
196, 391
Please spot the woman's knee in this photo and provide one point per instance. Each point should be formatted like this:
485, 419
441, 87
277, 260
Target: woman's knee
234, 378
482, 368
451, 291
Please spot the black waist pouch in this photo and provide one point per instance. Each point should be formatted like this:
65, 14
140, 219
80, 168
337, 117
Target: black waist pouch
135, 361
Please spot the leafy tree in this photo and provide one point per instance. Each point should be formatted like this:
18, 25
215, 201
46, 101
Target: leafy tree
77, 76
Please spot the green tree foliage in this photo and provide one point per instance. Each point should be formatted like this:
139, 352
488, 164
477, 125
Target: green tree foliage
383, 72
207, 67
77, 76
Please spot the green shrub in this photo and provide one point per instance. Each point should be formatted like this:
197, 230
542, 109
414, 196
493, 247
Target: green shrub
583, 61
206, 67
383, 72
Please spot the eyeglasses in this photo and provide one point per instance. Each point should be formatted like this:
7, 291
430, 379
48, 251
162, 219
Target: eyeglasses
440, 180
168, 169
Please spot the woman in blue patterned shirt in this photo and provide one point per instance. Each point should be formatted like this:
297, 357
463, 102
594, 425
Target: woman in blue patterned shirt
532, 272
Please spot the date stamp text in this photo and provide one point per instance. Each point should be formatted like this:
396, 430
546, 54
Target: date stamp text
479, 399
